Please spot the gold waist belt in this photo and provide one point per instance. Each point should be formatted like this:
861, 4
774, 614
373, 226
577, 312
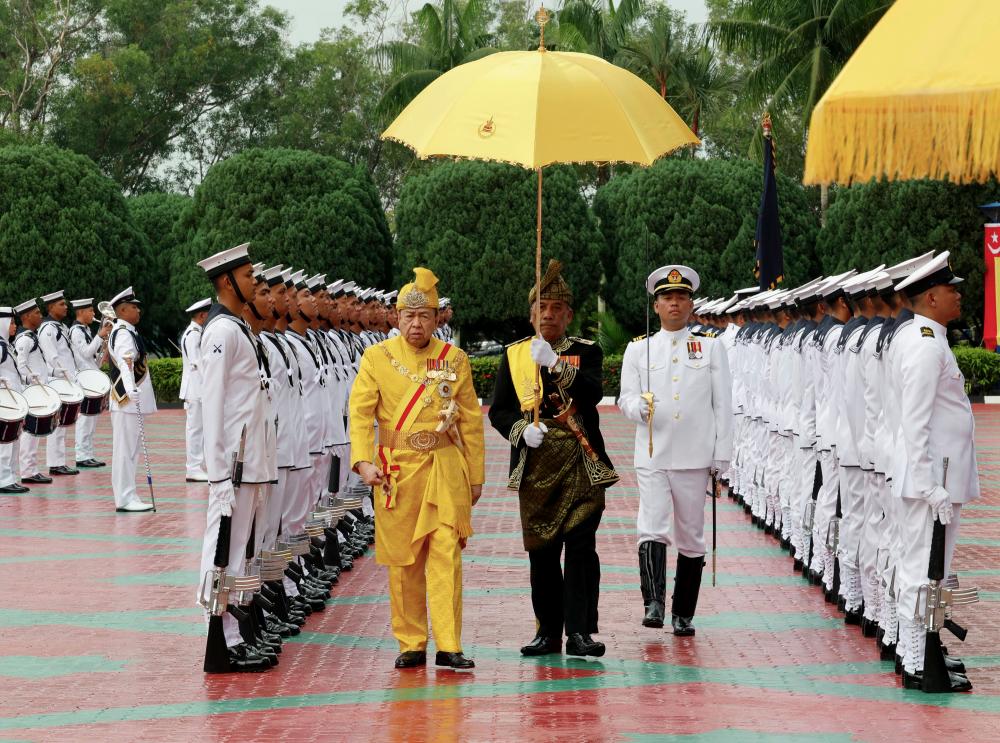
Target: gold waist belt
413, 440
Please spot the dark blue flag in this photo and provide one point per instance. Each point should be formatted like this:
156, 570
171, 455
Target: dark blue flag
770, 266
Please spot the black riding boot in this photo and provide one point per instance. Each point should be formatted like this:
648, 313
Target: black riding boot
653, 581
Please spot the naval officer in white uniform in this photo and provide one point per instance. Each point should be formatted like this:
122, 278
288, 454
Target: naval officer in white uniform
688, 378
190, 393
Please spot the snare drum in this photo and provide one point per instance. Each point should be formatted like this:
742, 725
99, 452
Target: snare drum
96, 386
13, 409
71, 397
43, 409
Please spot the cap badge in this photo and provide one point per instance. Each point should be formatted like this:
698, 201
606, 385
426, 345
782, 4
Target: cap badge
674, 277
414, 299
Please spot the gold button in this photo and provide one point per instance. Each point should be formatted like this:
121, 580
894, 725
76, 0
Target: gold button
675, 359
676, 379
677, 397
677, 416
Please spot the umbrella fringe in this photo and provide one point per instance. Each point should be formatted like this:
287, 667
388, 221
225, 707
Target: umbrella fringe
953, 137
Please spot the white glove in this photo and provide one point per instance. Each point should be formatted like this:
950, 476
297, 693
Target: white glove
940, 503
542, 353
533, 435
225, 494
720, 466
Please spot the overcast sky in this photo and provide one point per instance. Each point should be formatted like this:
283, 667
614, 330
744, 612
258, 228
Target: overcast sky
309, 17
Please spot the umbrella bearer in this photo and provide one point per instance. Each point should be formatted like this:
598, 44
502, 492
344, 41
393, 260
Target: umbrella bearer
675, 385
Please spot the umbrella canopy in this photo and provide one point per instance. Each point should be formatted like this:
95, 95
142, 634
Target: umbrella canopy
920, 98
538, 108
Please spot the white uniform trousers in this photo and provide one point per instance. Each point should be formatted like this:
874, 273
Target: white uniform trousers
242, 519
55, 449
28, 454
672, 508
868, 551
852, 522
195, 466
272, 515
84, 437
916, 527
125, 447
297, 501
9, 464
804, 476
826, 509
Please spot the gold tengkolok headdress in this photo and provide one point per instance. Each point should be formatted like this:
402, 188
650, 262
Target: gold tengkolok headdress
420, 293
553, 285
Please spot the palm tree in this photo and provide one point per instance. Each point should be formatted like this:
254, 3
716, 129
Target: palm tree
593, 27
796, 48
656, 52
704, 85
447, 36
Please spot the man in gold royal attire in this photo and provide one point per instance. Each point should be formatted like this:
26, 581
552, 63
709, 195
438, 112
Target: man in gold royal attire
559, 468
427, 469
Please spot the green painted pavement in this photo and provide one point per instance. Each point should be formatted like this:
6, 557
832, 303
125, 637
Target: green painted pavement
733, 735
976, 542
37, 667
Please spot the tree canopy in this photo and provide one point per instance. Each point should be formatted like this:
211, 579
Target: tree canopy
294, 207
473, 224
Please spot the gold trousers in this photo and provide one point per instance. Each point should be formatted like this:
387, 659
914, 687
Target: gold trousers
435, 579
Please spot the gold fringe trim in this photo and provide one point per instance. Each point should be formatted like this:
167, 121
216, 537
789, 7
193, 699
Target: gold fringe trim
947, 136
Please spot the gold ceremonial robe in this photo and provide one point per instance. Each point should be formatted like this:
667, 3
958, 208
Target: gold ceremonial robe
404, 390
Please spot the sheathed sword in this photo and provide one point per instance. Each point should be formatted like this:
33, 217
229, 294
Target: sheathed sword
648, 394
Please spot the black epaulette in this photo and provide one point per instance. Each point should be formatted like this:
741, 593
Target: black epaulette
584, 341
640, 337
515, 343
701, 334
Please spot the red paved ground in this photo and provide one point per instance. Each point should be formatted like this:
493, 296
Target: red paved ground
100, 638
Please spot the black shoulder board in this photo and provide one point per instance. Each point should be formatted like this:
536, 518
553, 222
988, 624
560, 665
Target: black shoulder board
639, 337
926, 332
584, 341
701, 334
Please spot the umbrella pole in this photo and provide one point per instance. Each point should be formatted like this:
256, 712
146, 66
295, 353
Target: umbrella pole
538, 293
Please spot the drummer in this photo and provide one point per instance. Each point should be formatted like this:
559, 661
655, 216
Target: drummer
10, 377
33, 369
88, 348
53, 338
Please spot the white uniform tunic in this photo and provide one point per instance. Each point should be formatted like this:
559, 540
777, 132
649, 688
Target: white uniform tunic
190, 393
53, 337
12, 378
692, 428
33, 369
88, 347
126, 443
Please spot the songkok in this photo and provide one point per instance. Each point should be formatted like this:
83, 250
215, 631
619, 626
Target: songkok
201, 304
419, 293
553, 285
226, 261
126, 295
935, 272
672, 278
25, 307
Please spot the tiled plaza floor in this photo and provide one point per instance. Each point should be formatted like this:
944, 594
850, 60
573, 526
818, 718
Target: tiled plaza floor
100, 639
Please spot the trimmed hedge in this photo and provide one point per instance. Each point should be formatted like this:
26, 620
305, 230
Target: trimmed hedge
166, 376
981, 368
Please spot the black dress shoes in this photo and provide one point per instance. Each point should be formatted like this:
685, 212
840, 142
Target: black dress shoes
453, 660
853, 617
542, 645
63, 470
956, 682
14, 488
683, 626
580, 644
244, 658
89, 463
654, 615
411, 659
37, 479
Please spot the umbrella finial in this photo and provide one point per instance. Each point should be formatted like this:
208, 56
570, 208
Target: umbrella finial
766, 124
541, 18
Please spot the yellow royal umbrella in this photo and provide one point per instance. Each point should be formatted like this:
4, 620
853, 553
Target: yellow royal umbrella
920, 98
538, 108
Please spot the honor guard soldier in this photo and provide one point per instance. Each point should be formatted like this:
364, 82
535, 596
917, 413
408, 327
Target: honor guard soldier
53, 339
427, 468
558, 465
34, 371
190, 393
237, 428
445, 312
10, 378
88, 347
934, 466
132, 396
676, 388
